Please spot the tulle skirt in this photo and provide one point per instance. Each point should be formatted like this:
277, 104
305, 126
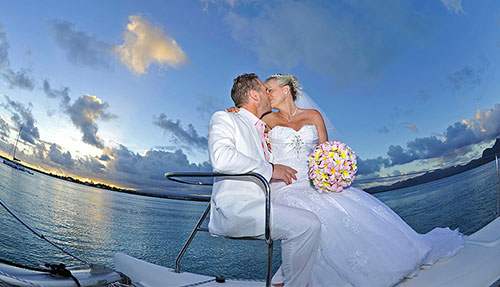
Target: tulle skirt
363, 241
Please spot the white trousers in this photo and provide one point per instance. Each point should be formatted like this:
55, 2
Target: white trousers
299, 232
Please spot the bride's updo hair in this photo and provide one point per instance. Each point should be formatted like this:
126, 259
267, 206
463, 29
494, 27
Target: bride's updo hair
287, 80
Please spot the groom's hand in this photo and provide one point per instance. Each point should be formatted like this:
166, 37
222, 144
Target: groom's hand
284, 173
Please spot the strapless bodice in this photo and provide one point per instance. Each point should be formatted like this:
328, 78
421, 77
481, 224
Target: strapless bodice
291, 147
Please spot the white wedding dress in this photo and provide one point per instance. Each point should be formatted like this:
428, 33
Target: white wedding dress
363, 242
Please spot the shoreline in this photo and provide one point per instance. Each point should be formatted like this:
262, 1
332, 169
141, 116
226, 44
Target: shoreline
112, 188
487, 155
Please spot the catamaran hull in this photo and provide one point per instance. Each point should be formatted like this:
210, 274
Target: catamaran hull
16, 166
478, 264
23, 277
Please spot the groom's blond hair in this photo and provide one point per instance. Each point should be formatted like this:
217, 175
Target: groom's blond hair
242, 86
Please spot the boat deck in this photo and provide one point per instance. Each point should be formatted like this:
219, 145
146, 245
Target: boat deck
478, 264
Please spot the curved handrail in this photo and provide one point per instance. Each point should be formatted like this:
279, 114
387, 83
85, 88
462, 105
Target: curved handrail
174, 176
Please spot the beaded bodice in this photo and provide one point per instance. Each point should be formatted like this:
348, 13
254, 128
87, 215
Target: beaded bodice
291, 147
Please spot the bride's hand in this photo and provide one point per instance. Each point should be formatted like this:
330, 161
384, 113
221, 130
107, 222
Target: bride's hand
284, 173
233, 110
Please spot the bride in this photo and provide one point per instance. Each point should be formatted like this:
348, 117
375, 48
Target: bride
363, 241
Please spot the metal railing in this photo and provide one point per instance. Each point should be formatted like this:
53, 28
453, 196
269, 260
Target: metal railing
175, 176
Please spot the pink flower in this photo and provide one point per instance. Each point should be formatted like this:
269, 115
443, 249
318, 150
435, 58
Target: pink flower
332, 166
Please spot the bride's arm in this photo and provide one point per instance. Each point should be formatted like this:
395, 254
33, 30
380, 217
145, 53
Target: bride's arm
318, 121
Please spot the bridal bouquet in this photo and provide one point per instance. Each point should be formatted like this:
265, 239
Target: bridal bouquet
332, 166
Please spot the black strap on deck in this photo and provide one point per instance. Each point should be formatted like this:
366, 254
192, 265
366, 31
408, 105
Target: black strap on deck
60, 270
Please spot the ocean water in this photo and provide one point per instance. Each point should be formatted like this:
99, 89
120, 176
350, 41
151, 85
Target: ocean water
95, 224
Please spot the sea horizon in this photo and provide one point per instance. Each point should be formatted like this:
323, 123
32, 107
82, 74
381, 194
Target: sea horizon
96, 223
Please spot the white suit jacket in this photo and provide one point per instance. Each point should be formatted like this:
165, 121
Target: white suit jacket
237, 205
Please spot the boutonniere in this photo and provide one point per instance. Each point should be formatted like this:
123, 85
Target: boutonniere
268, 142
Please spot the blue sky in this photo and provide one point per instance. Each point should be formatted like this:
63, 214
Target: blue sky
122, 91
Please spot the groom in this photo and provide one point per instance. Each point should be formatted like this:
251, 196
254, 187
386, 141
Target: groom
236, 145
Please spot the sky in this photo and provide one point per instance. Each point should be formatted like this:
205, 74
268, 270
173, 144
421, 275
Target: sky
121, 92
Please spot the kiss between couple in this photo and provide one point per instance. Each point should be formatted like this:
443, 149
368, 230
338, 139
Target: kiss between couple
327, 239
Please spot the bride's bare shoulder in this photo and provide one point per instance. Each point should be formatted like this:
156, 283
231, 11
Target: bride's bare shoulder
312, 114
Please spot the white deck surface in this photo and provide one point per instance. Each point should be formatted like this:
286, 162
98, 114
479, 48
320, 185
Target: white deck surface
478, 264
146, 274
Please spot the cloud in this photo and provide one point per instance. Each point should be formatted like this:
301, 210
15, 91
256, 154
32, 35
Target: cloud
457, 136
343, 39
457, 140
104, 157
23, 119
152, 164
21, 79
84, 112
423, 96
231, 3
465, 77
383, 130
120, 166
4, 129
485, 126
453, 6
40, 152
401, 111
207, 105
52, 156
412, 127
80, 47
63, 158
145, 44
187, 137
370, 166
4, 50
92, 166
398, 156
62, 94
146, 172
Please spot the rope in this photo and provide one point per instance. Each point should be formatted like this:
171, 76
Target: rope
61, 270
55, 269
36, 232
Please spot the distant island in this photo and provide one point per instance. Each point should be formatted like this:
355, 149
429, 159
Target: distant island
110, 187
487, 156
74, 180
